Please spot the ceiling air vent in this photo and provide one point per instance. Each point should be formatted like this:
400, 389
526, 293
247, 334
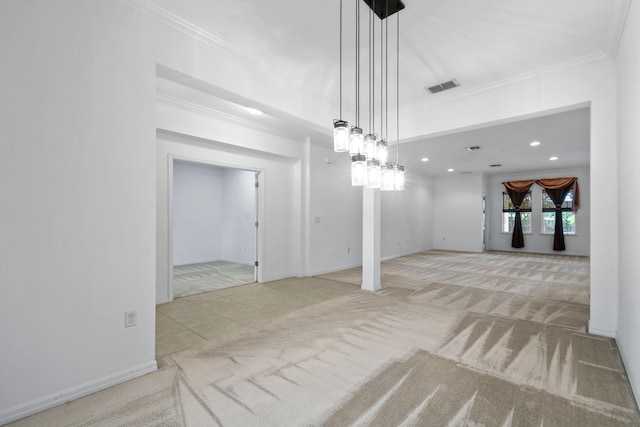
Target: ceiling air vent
473, 148
443, 86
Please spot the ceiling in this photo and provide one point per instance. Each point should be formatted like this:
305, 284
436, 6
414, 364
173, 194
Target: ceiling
477, 42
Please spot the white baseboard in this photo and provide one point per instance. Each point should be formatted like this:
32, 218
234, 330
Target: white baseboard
73, 393
602, 332
234, 261
333, 269
358, 264
237, 261
198, 261
635, 388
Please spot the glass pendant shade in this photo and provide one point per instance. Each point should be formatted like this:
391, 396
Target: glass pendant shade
399, 178
340, 136
388, 173
373, 174
356, 141
358, 170
382, 151
370, 146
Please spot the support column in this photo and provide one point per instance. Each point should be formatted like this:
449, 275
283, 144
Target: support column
371, 239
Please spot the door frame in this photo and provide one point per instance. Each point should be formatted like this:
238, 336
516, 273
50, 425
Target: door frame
259, 194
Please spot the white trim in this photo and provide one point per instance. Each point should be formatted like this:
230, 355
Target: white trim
617, 23
334, 269
73, 393
216, 114
359, 264
206, 261
175, 21
635, 388
260, 236
400, 255
602, 332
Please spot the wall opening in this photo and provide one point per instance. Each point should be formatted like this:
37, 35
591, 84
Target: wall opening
214, 220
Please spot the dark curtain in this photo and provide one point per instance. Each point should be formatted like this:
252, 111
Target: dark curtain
517, 192
557, 189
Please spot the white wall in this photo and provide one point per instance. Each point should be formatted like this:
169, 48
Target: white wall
197, 213
239, 216
214, 214
335, 212
537, 242
458, 212
407, 217
628, 70
78, 217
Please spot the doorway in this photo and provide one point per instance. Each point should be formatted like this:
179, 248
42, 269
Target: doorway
213, 228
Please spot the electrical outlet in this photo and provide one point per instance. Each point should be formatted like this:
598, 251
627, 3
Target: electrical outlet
130, 319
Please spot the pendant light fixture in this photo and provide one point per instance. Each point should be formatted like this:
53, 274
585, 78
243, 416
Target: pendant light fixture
399, 169
387, 175
370, 164
340, 127
358, 170
356, 138
387, 182
373, 173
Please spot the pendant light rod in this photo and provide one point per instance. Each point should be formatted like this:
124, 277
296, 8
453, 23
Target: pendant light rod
357, 63
383, 76
340, 59
371, 79
398, 89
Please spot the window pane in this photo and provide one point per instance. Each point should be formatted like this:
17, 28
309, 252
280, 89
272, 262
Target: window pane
509, 219
569, 222
506, 201
549, 222
548, 204
526, 221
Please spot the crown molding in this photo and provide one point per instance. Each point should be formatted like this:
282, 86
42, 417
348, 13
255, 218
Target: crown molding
170, 18
576, 62
217, 114
617, 23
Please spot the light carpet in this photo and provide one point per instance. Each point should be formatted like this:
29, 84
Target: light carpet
453, 339
194, 279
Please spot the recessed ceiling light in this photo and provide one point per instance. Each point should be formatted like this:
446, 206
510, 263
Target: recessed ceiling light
534, 143
553, 158
254, 111
450, 170
425, 159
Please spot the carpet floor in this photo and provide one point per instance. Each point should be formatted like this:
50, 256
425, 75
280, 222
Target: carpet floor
195, 279
452, 339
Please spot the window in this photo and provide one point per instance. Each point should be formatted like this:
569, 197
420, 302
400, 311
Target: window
509, 213
549, 214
